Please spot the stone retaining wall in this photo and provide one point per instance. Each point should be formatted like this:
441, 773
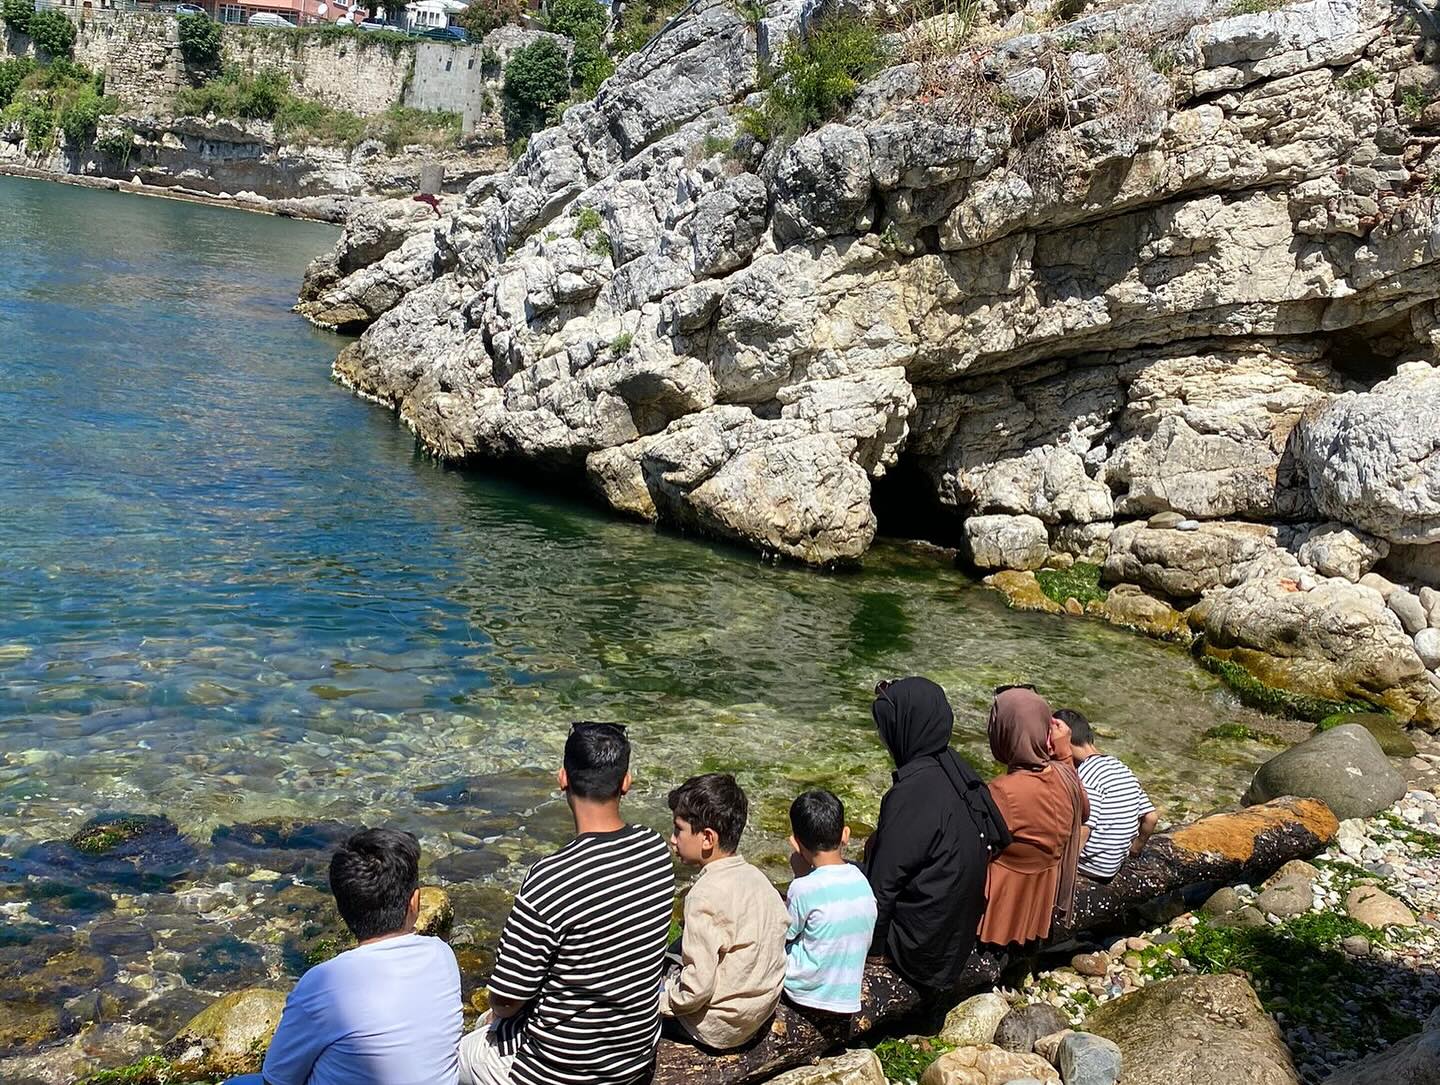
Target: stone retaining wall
349, 72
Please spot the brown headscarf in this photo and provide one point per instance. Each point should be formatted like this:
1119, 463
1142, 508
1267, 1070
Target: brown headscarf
1020, 740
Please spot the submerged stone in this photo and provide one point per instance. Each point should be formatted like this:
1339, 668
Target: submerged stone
284, 845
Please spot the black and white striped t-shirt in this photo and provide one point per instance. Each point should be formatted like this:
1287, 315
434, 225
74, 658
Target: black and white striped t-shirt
584, 946
1117, 803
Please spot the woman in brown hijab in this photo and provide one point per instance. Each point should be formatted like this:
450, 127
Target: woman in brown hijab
1044, 804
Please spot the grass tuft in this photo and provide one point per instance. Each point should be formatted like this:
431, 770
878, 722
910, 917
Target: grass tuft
1080, 582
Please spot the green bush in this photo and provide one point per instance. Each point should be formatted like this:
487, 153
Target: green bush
17, 14
200, 40
817, 79
237, 94
576, 19
483, 16
118, 144
584, 22
12, 74
537, 84
52, 33
61, 97
79, 115
641, 20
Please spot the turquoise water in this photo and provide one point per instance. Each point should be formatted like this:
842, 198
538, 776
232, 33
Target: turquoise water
232, 592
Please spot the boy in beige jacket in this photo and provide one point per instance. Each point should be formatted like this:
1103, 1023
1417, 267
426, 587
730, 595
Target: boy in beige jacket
733, 949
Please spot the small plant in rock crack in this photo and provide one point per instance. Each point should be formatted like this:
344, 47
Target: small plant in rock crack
1413, 101
621, 343
1359, 81
589, 229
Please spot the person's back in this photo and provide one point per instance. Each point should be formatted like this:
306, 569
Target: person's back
832, 910
574, 993
1121, 814
388, 1011
925, 829
593, 918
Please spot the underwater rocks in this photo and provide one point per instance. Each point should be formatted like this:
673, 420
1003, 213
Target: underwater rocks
115, 852
284, 845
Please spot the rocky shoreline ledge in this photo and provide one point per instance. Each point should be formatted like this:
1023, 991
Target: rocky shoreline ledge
1167, 259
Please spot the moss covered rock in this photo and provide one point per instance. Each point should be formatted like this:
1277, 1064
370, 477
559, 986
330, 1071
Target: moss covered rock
1387, 731
230, 1035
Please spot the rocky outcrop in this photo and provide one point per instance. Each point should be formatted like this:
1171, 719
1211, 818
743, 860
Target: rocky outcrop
1183, 301
1373, 458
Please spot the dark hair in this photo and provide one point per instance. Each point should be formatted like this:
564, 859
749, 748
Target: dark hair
373, 875
1081, 733
713, 801
817, 818
597, 757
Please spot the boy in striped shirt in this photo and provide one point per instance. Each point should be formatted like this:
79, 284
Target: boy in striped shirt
1121, 814
832, 910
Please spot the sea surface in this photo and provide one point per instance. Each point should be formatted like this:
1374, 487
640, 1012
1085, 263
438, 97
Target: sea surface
236, 596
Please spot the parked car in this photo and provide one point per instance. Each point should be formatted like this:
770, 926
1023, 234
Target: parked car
446, 33
372, 25
269, 18
190, 9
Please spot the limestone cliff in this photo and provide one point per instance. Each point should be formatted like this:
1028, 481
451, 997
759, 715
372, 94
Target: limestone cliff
1156, 260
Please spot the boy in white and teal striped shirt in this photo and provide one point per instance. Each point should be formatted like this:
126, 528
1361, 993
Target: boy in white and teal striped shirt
832, 911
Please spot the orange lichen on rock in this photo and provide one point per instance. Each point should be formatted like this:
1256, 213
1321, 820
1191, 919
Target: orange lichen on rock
1234, 835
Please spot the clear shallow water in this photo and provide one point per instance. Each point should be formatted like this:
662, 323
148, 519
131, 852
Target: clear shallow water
232, 592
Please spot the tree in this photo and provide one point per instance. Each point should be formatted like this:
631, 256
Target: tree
483, 16
17, 14
199, 40
537, 82
584, 22
52, 33
576, 19
12, 74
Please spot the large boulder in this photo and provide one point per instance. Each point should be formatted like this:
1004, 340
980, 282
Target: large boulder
1343, 767
1373, 458
1006, 542
1338, 641
230, 1035
1183, 564
1202, 1030
1413, 1061
974, 1021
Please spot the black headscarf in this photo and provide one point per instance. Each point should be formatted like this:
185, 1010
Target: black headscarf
915, 720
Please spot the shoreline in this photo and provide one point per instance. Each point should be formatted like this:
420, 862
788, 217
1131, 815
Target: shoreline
290, 207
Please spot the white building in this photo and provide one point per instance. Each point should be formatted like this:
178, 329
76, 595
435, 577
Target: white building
428, 14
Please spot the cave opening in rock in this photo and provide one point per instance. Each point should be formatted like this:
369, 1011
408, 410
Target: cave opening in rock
1370, 353
907, 506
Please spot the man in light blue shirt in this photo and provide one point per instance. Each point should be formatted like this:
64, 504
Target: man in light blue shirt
386, 1012
832, 910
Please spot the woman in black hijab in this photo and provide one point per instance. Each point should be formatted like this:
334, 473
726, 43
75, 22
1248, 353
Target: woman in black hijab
927, 858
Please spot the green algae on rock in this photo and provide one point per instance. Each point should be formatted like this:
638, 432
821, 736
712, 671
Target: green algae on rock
1387, 731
